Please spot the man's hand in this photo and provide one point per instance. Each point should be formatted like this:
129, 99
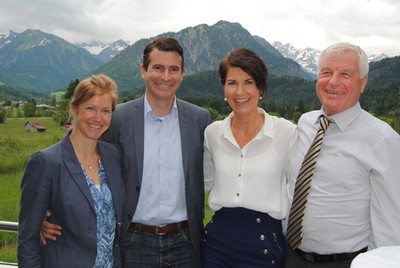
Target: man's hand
49, 231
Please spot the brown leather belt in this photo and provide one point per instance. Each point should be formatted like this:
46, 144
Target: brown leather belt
159, 230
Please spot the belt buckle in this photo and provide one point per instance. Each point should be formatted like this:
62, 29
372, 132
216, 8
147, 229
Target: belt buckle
305, 255
159, 233
309, 257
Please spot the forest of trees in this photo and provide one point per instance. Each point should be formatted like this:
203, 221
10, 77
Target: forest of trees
288, 97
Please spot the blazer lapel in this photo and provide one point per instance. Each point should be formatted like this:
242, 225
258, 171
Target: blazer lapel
138, 134
185, 129
74, 168
112, 175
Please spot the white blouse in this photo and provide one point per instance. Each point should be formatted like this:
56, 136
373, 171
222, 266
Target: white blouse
253, 177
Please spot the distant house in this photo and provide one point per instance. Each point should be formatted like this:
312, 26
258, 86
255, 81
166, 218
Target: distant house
34, 127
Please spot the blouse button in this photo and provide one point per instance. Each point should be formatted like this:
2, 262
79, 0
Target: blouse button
265, 251
262, 237
258, 220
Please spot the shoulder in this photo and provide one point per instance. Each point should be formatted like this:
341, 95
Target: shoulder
108, 148
213, 133
308, 120
282, 123
129, 105
192, 108
125, 111
277, 124
282, 129
49, 157
215, 126
309, 116
377, 125
56, 150
198, 116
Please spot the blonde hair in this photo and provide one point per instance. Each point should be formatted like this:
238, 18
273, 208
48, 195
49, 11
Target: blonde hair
92, 86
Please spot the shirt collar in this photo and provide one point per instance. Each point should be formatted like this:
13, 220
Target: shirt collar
267, 128
345, 118
148, 111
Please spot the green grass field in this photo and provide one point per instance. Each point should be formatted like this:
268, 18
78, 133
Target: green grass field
16, 146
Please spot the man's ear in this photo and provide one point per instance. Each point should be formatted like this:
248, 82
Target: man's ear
142, 70
364, 81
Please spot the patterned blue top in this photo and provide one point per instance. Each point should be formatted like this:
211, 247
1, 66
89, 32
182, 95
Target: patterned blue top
106, 219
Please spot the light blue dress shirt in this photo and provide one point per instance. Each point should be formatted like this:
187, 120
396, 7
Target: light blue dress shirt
162, 194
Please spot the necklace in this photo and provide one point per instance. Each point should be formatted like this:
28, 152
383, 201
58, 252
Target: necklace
87, 163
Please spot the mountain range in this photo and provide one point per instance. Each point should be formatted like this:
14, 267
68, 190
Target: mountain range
308, 57
41, 62
104, 51
37, 60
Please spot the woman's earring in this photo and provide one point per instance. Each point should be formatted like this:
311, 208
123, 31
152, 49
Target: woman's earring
225, 99
260, 97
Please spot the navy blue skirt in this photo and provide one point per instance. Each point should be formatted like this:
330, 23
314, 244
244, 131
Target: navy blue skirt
239, 237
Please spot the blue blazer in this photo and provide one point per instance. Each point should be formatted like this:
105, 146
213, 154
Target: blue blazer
54, 180
127, 132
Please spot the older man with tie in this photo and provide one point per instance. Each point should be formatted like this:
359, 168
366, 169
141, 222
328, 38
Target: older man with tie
346, 187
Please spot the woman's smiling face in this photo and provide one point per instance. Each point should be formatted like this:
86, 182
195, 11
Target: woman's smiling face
241, 91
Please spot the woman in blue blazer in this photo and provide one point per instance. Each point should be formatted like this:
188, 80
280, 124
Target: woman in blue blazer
79, 180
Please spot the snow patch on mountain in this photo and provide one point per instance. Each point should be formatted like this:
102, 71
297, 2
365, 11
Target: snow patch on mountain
94, 47
104, 51
307, 58
7, 38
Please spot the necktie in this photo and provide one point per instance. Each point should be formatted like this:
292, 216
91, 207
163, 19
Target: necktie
294, 233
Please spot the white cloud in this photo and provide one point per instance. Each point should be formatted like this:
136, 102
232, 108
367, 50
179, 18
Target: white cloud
372, 24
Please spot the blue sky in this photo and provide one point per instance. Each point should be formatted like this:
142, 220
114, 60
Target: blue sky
372, 24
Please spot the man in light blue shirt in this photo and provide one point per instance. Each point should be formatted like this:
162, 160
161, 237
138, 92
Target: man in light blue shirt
161, 141
162, 194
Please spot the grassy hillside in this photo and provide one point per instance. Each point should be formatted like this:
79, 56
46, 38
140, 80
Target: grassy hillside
16, 146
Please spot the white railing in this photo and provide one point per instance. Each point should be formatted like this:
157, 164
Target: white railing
8, 226
7, 265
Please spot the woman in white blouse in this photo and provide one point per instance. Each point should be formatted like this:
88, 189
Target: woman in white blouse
246, 158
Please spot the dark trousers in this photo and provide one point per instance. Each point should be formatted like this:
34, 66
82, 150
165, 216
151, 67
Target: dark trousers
294, 260
146, 250
242, 238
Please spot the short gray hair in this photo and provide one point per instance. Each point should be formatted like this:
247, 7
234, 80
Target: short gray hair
344, 47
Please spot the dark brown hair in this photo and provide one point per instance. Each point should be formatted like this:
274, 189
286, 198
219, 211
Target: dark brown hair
163, 44
250, 63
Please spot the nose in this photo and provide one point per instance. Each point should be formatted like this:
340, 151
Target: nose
98, 116
335, 79
240, 87
165, 75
